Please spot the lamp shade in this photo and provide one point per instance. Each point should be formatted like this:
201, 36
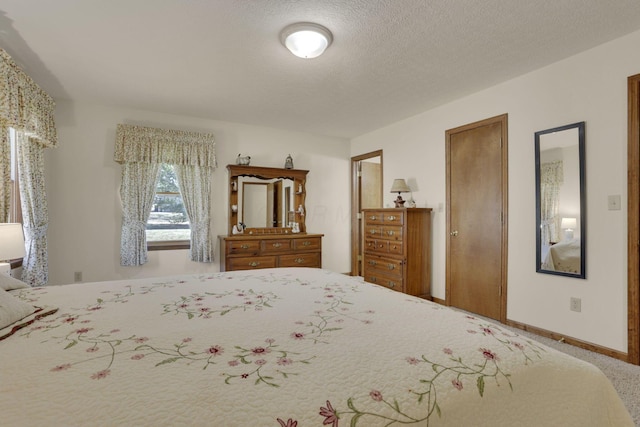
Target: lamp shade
399, 186
568, 223
306, 39
11, 241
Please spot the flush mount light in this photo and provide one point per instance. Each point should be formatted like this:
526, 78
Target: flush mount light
306, 39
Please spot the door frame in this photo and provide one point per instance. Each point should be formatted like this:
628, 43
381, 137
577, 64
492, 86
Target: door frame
503, 120
633, 220
356, 238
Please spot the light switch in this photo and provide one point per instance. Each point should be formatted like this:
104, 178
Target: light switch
614, 202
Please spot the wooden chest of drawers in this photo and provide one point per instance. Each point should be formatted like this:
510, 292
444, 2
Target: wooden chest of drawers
247, 252
397, 249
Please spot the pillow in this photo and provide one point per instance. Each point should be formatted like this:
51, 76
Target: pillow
12, 309
8, 283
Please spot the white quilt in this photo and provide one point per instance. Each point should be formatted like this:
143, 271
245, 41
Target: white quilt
283, 348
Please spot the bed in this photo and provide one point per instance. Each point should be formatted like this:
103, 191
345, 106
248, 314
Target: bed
292, 347
563, 256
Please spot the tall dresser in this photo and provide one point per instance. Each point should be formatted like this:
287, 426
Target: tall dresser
397, 249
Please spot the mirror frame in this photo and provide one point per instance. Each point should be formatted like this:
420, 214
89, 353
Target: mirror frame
299, 178
583, 200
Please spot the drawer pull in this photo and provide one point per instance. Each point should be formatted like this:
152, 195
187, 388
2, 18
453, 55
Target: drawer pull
392, 266
391, 232
373, 231
254, 264
374, 280
306, 243
277, 245
392, 218
392, 284
373, 217
371, 262
244, 246
299, 260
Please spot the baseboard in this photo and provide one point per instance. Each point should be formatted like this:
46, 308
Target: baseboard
559, 337
569, 340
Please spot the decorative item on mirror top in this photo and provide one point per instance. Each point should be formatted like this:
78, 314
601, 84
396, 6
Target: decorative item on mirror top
243, 160
399, 186
561, 201
288, 163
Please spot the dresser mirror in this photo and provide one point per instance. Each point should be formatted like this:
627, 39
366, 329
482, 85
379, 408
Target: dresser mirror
561, 200
266, 200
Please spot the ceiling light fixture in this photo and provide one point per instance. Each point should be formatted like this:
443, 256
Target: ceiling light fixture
306, 39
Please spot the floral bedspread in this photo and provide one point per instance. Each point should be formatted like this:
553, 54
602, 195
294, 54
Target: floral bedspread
282, 347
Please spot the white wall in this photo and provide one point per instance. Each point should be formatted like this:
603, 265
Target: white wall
590, 86
82, 182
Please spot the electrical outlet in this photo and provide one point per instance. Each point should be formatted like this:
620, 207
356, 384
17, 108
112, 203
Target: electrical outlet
77, 277
575, 304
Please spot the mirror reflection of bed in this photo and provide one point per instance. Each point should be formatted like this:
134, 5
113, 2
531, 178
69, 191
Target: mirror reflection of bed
562, 256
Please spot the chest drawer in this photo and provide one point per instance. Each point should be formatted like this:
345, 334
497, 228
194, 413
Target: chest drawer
311, 259
310, 244
387, 266
393, 218
276, 246
391, 232
388, 282
251, 263
373, 245
242, 247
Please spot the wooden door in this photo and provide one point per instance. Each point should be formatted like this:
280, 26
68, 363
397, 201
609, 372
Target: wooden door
476, 217
366, 192
633, 218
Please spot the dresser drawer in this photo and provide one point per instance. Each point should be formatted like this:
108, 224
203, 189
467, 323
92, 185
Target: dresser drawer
243, 247
393, 218
251, 263
387, 266
373, 218
388, 282
374, 231
276, 246
310, 244
373, 245
311, 259
391, 232
396, 248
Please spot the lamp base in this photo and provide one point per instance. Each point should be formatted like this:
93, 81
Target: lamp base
399, 202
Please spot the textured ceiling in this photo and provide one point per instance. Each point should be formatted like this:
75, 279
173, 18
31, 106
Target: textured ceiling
222, 59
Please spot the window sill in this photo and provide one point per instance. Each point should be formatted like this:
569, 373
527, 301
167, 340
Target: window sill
168, 245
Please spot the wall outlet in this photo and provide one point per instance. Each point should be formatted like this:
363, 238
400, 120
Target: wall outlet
77, 277
575, 304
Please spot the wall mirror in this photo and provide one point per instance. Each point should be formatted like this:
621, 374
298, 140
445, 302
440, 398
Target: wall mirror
561, 201
266, 200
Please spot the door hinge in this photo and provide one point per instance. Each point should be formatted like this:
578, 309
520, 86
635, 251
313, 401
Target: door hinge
359, 257
359, 215
359, 174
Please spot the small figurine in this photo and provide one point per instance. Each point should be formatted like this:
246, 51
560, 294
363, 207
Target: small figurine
288, 163
244, 161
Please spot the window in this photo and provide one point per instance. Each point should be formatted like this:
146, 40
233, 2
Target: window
168, 224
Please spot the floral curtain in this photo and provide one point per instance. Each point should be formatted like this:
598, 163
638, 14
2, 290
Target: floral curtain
28, 109
5, 174
195, 188
551, 177
136, 192
194, 154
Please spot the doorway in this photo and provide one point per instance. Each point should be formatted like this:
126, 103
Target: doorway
633, 220
476, 242
366, 192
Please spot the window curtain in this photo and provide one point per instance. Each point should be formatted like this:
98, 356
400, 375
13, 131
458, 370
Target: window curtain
551, 177
5, 174
193, 154
25, 107
195, 188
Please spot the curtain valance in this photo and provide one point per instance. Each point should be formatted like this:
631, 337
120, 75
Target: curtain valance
24, 105
152, 145
552, 173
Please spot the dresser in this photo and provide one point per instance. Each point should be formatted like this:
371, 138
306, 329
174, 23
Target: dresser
248, 252
397, 249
